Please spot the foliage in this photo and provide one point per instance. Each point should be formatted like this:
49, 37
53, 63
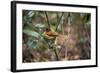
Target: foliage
71, 34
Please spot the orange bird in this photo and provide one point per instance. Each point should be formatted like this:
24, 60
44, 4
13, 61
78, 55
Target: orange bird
49, 34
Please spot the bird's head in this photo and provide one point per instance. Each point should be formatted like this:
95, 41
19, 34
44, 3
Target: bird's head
47, 29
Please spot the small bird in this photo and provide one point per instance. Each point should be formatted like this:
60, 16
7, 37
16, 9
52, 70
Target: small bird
50, 33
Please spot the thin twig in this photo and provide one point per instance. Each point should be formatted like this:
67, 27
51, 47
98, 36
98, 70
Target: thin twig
47, 19
62, 27
59, 21
57, 57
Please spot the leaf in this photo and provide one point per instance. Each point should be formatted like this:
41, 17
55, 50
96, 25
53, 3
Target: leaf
31, 33
88, 24
83, 40
31, 13
53, 26
32, 44
40, 26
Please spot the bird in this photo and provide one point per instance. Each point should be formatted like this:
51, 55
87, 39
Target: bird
50, 33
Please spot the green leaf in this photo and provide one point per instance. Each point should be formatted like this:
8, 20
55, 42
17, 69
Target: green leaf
88, 24
31, 13
40, 25
31, 33
32, 44
83, 40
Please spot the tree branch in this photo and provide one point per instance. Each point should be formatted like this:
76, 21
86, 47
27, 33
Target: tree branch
59, 21
57, 57
47, 19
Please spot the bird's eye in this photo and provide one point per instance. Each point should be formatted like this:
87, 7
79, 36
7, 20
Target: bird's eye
47, 29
